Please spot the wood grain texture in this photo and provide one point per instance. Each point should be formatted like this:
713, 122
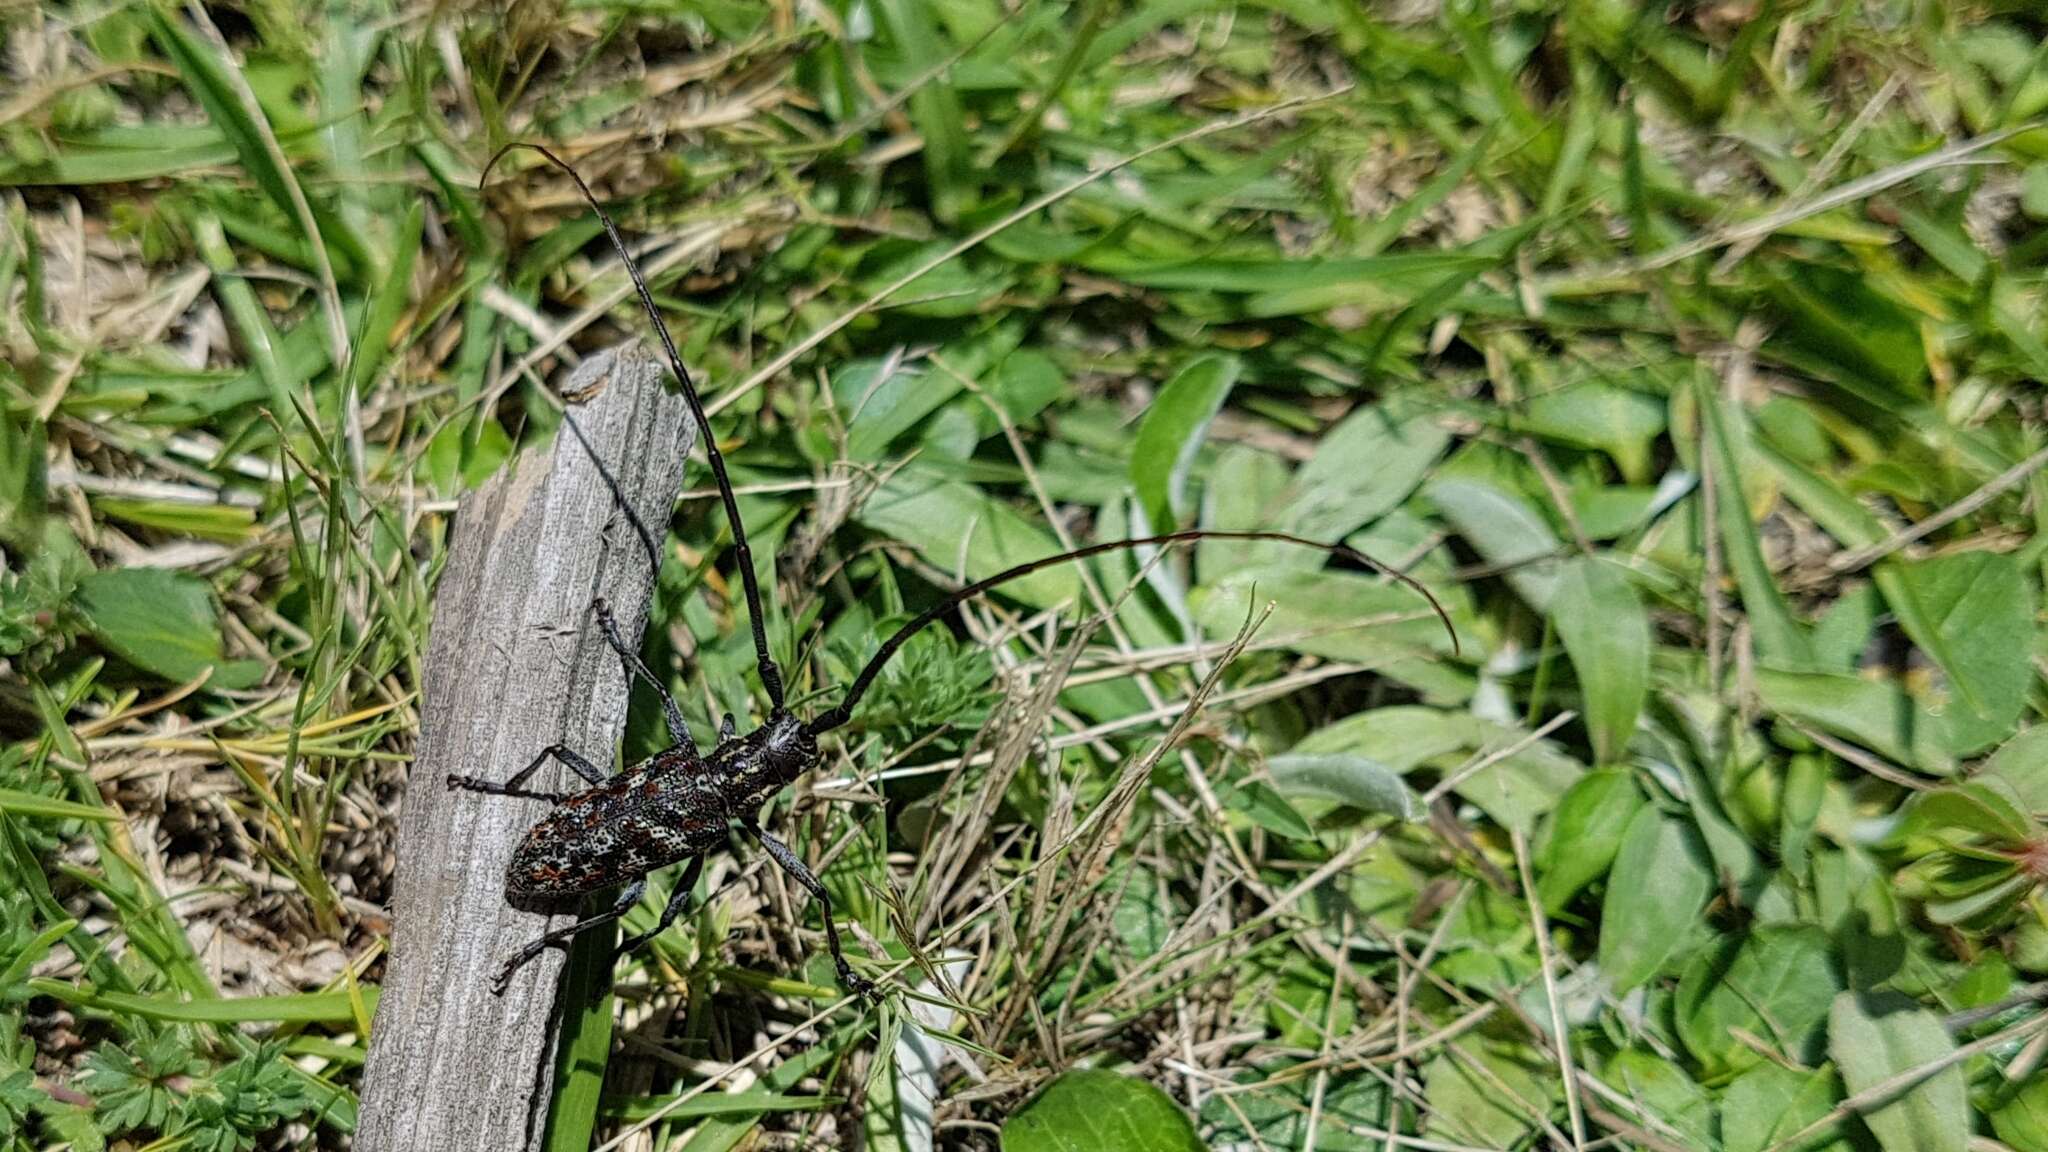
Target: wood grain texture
515, 662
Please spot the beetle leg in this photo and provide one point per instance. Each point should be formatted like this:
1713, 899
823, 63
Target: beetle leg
576, 763
728, 729
678, 732
627, 899
802, 874
678, 901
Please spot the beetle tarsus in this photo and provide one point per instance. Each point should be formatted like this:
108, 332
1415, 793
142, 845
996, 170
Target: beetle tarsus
475, 784
858, 984
503, 979
511, 787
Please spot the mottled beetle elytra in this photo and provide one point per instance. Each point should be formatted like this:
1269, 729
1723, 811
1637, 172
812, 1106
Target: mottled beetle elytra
679, 804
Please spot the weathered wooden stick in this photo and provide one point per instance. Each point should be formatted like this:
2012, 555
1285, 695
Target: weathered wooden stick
515, 663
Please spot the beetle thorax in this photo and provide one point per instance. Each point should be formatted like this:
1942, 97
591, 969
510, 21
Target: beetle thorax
768, 759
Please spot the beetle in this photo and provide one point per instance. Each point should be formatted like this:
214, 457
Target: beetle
679, 804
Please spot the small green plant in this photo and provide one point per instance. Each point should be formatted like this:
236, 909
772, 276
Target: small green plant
1990, 855
258, 1093
143, 1086
158, 1086
934, 681
19, 1099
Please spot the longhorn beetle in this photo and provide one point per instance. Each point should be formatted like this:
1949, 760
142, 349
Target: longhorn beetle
679, 803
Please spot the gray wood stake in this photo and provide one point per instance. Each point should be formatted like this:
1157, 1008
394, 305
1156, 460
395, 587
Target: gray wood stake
515, 662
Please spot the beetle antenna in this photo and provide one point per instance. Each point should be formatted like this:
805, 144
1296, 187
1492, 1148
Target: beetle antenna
843, 711
771, 676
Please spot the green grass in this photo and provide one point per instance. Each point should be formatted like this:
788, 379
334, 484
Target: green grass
1691, 355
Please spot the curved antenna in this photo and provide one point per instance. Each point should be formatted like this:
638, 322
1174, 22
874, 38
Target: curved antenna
843, 711
771, 676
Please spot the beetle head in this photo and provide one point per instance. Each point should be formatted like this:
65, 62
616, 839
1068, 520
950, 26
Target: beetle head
789, 748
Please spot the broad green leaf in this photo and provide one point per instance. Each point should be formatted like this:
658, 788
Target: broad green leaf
1862, 912
1171, 433
1472, 1110
1297, 1003
2022, 1122
1980, 896
1607, 635
1850, 333
1145, 917
1774, 987
1147, 622
2030, 945
1766, 1105
1659, 883
1584, 834
1382, 888
163, 623
882, 399
1842, 633
2022, 762
1610, 511
1095, 1110
1505, 530
1985, 807
956, 287
1267, 807
960, 530
1347, 779
1595, 414
1240, 494
1877, 715
1400, 737
1336, 614
1677, 1102
1362, 469
1973, 614
1027, 380
1515, 792
460, 457
1799, 805
1884, 1036
1277, 1112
